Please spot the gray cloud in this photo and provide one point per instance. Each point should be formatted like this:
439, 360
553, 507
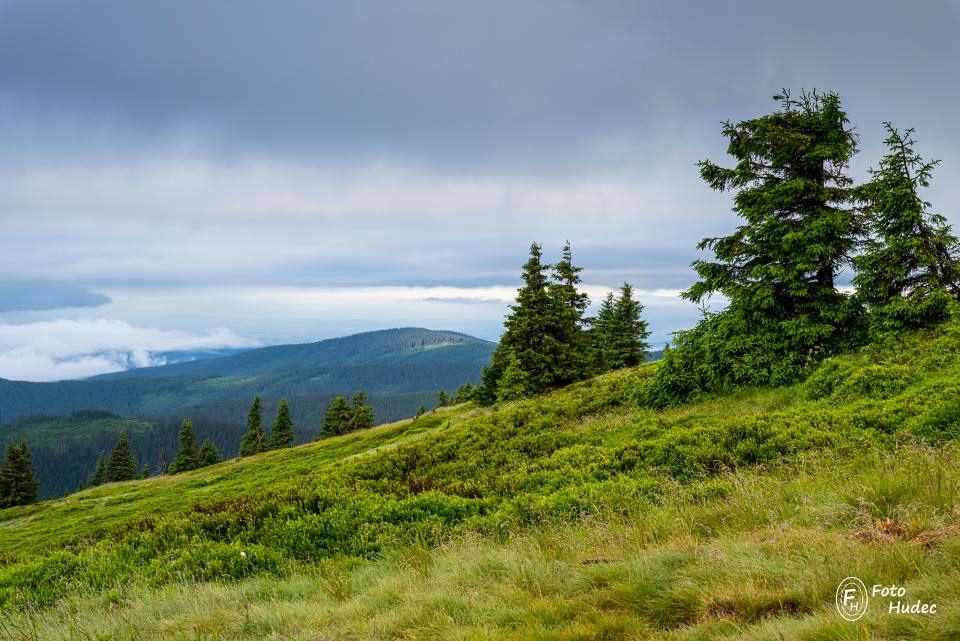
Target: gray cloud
465, 81
376, 143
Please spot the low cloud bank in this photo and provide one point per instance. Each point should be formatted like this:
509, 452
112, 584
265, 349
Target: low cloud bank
76, 348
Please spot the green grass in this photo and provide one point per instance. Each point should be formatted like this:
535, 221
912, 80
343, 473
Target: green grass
92, 514
574, 515
738, 556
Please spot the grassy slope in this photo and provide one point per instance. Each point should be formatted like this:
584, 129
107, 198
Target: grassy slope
571, 516
94, 513
754, 557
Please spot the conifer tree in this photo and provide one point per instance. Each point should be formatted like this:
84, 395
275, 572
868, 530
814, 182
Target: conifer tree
514, 384
282, 430
778, 269
337, 418
362, 414
566, 278
121, 466
600, 339
254, 440
18, 481
186, 458
908, 272
208, 454
145, 471
627, 332
162, 461
421, 411
442, 400
99, 476
541, 334
464, 393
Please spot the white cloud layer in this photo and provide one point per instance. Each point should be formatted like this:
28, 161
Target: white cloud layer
76, 348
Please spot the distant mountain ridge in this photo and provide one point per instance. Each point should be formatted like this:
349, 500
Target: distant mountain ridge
399, 369
388, 346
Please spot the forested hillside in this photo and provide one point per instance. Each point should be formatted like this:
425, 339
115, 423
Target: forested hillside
66, 447
398, 367
408, 345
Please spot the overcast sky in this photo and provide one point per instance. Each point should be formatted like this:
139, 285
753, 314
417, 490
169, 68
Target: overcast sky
182, 174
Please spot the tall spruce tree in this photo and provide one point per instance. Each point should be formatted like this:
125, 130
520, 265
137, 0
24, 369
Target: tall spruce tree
540, 336
18, 481
208, 454
99, 475
361, 413
564, 288
627, 332
778, 269
908, 271
282, 430
121, 466
566, 279
600, 328
186, 458
338, 418
254, 439
442, 399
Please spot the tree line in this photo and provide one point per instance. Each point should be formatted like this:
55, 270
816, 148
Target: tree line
548, 341
19, 486
340, 417
121, 465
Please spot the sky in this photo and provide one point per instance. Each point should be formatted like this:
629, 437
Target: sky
192, 175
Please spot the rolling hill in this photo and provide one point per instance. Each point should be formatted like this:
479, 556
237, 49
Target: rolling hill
575, 515
403, 346
399, 368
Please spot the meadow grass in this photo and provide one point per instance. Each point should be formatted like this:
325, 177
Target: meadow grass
572, 515
740, 556
94, 513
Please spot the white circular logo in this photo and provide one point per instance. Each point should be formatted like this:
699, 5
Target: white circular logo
852, 598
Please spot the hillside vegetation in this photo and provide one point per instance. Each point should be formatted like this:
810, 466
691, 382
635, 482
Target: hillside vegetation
571, 515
